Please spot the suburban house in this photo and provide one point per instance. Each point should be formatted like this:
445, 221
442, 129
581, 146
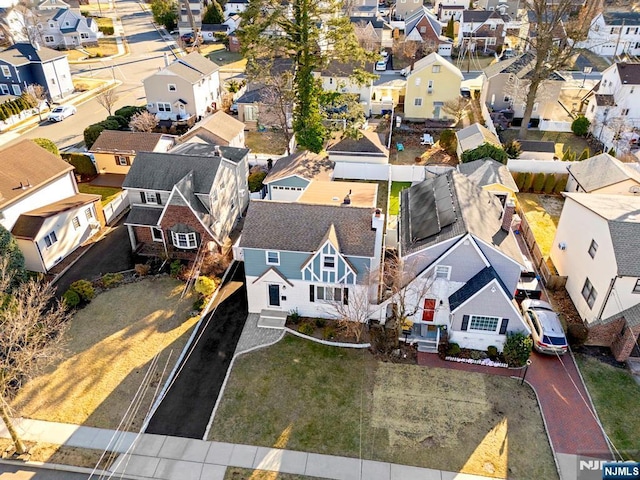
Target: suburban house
423, 26
405, 7
481, 30
492, 176
432, 82
614, 107
184, 19
189, 87
324, 262
373, 31
186, 199
291, 175
473, 136
461, 263
445, 9
369, 148
18, 22
362, 8
41, 207
387, 93
210, 30
506, 83
67, 28
338, 77
114, 150
257, 107
233, 7
217, 129
24, 64
503, 7
603, 174
54, 5
537, 150
601, 266
614, 33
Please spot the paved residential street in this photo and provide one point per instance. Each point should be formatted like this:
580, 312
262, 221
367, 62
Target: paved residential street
11, 472
187, 407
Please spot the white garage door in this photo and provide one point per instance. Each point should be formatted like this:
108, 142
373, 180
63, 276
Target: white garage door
444, 50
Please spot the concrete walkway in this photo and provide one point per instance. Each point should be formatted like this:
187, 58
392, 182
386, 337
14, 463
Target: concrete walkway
148, 456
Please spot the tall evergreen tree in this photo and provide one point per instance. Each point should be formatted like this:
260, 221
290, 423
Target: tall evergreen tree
311, 34
214, 14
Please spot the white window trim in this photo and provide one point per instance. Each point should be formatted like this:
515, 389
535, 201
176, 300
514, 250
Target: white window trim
75, 221
16, 90
175, 88
190, 240
331, 291
163, 107
52, 237
150, 197
335, 263
6, 71
4, 89
417, 102
153, 234
122, 160
266, 257
471, 317
442, 268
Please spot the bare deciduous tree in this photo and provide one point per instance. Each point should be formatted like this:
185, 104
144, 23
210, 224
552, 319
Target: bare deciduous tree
366, 36
456, 108
407, 49
553, 36
35, 95
108, 99
32, 324
143, 122
277, 103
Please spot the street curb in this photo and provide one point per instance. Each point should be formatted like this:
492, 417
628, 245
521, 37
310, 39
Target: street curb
55, 466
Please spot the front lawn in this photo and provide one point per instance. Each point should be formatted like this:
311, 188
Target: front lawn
107, 193
394, 198
562, 140
543, 214
110, 344
310, 397
616, 397
229, 61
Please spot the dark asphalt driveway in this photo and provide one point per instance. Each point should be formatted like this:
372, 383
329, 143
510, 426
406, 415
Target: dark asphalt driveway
186, 409
111, 254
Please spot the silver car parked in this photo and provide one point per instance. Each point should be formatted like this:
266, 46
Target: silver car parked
546, 329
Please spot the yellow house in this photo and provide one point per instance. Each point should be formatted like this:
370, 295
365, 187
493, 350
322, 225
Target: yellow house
115, 150
492, 176
432, 82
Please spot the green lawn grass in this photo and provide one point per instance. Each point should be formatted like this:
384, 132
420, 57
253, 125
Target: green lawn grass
300, 395
394, 198
107, 193
562, 140
616, 397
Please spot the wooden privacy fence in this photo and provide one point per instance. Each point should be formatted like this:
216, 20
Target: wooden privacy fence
550, 278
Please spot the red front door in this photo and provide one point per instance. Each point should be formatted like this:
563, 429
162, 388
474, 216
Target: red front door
429, 309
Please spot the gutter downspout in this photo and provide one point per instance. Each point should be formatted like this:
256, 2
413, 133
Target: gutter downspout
606, 299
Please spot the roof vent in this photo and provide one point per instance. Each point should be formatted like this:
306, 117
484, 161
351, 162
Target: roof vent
216, 151
347, 199
23, 186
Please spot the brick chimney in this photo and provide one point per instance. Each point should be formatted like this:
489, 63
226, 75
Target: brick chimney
507, 214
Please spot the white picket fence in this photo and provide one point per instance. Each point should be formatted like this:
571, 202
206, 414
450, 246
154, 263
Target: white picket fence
395, 173
538, 166
115, 207
551, 126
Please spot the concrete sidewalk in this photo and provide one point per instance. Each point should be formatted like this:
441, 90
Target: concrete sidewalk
176, 458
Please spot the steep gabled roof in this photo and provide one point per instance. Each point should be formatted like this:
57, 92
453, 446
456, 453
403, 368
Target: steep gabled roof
488, 172
192, 67
475, 135
29, 166
622, 213
412, 19
305, 164
434, 58
601, 171
476, 283
629, 18
369, 143
24, 53
476, 211
220, 125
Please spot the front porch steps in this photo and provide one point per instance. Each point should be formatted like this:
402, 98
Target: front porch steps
427, 346
272, 319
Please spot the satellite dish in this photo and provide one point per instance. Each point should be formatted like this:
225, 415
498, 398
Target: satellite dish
635, 189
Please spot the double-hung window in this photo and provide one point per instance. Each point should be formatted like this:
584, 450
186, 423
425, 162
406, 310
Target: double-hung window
273, 258
122, 160
589, 293
329, 262
50, 239
593, 248
164, 107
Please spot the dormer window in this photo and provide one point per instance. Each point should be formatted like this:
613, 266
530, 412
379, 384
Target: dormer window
329, 262
273, 258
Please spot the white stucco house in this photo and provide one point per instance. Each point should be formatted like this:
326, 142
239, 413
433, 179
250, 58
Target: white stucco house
41, 206
187, 87
614, 107
601, 266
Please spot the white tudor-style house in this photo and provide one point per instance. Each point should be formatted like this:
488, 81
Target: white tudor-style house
461, 263
602, 266
324, 261
41, 207
186, 199
188, 87
614, 107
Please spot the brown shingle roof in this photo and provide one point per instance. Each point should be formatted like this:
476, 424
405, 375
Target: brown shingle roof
117, 141
218, 125
28, 224
303, 164
27, 163
193, 67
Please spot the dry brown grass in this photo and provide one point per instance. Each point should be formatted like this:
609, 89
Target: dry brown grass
234, 473
60, 454
543, 214
110, 344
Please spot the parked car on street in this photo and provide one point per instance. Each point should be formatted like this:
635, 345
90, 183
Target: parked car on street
546, 329
61, 112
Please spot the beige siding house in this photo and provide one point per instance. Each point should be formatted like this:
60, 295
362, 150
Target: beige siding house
188, 87
432, 82
218, 129
114, 151
603, 174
